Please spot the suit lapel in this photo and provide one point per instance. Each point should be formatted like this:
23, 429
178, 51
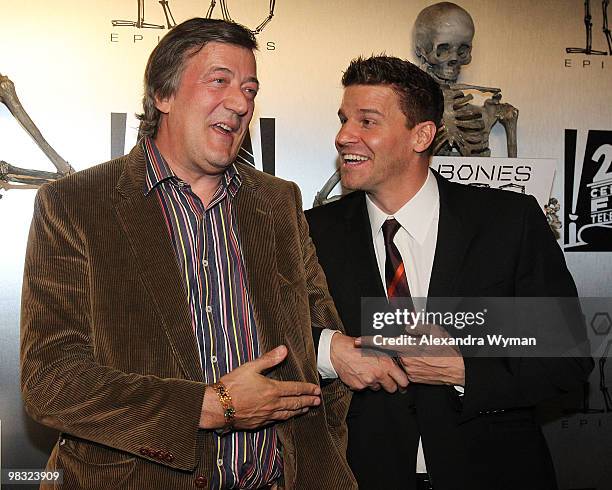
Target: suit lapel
455, 233
357, 236
143, 223
256, 230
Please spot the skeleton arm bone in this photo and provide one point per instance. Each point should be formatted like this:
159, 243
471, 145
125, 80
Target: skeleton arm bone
507, 115
24, 178
9, 98
464, 86
322, 196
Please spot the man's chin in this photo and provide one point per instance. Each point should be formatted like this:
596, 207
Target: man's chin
223, 162
349, 180
349, 184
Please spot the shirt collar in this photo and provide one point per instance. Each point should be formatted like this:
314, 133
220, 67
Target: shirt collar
416, 216
158, 171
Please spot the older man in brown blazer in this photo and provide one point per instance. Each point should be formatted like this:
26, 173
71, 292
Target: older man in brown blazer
169, 296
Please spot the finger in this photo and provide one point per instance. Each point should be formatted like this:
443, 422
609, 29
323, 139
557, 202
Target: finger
388, 384
392, 346
409, 363
432, 329
399, 376
296, 388
270, 359
287, 414
419, 329
298, 402
367, 342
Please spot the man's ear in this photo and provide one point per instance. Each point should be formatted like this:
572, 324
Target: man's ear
425, 134
163, 104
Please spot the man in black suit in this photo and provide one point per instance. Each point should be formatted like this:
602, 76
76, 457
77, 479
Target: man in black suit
462, 422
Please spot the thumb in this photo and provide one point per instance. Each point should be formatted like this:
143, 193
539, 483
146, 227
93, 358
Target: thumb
270, 359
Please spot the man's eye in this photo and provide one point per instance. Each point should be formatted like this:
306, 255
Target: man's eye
219, 80
368, 123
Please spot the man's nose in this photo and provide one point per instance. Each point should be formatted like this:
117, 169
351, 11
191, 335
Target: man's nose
236, 101
346, 135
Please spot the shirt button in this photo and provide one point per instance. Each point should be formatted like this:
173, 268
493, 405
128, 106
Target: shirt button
201, 481
219, 462
209, 309
205, 263
213, 358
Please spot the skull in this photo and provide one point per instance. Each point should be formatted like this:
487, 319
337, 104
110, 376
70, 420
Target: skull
443, 35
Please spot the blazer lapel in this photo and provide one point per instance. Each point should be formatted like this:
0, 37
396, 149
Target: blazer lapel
256, 230
360, 263
142, 221
455, 234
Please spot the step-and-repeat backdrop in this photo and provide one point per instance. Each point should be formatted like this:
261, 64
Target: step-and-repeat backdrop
77, 70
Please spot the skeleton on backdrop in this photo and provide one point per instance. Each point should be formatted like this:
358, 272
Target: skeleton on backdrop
12, 177
443, 36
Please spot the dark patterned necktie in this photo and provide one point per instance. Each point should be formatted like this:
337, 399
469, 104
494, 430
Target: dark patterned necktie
395, 274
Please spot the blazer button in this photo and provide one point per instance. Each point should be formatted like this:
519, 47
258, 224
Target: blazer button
201, 481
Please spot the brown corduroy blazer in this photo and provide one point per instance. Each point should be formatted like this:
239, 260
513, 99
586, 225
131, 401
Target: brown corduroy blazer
108, 354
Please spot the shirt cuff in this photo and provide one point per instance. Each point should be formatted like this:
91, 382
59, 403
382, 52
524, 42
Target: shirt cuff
324, 365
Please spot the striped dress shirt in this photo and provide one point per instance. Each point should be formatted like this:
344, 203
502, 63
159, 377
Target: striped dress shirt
208, 252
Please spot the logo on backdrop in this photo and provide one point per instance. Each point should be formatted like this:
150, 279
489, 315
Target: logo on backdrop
591, 19
521, 175
140, 21
588, 191
588, 28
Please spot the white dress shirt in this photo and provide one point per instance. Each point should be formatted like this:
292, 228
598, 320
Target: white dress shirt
416, 241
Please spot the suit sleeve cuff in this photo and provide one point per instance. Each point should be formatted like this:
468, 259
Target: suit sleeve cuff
324, 365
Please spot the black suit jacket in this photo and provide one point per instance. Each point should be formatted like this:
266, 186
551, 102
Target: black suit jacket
490, 243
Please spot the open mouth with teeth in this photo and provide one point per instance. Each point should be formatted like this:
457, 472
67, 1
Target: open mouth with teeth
354, 159
223, 128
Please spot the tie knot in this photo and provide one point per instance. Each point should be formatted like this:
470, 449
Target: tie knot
389, 229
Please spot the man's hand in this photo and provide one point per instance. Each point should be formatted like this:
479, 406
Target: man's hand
426, 363
359, 370
259, 400
435, 370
